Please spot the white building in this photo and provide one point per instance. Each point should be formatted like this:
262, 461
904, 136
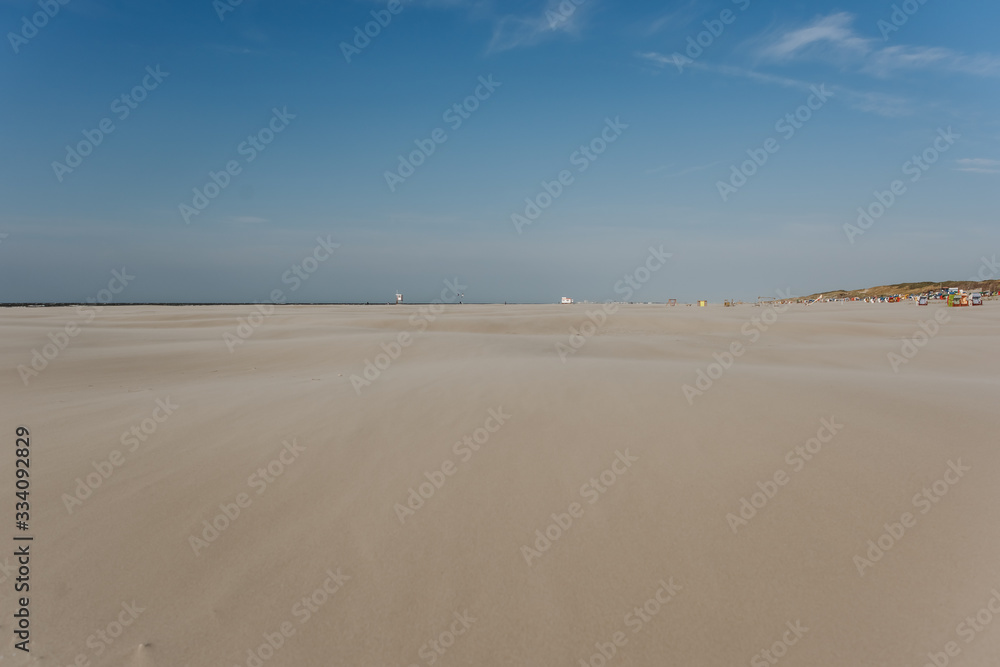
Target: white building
566, 299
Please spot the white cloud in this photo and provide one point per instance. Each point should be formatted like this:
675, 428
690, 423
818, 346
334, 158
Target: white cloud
824, 35
559, 16
978, 162
882, 104
681, 16
511, 31
889, 60
978, 165
833, 38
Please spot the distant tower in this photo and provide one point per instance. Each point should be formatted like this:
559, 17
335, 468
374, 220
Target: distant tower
399, 298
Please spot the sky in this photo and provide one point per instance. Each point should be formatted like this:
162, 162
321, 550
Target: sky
525, 150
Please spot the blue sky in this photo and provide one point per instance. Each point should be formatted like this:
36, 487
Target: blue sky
559, 76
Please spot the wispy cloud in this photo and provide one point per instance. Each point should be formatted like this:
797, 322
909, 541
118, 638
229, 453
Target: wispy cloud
885, 62
833, 38
656, 58
522, 29
557, 17
881, 104
662, 61
978, 165
825, 35
683, 15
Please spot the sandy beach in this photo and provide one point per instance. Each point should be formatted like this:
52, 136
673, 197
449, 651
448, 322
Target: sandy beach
389, 485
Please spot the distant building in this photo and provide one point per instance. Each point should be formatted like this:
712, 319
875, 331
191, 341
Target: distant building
566, 299
399, 298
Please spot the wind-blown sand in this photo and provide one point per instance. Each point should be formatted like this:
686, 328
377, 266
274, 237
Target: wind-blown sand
398, 585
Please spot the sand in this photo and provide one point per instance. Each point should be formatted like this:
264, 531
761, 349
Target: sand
651, 563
